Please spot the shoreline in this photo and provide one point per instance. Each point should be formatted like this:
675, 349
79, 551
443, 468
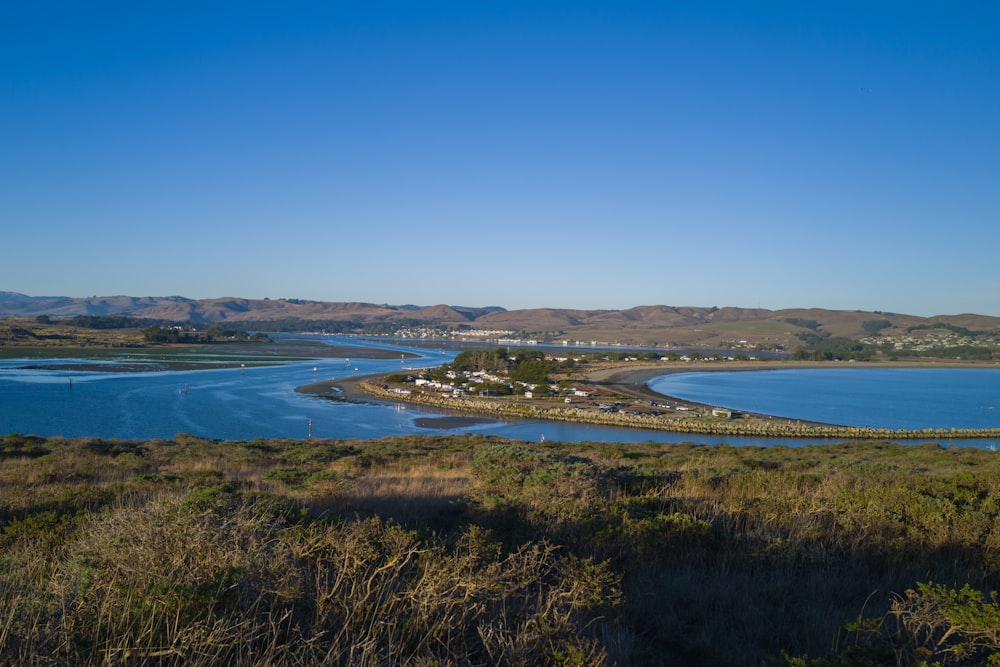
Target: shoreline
351, 389
634, 381
631, 381
348, 387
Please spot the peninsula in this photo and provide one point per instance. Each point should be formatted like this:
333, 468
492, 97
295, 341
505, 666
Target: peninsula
616, 394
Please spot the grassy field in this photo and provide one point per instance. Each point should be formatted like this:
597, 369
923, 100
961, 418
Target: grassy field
25, 333
477, 550
22, 338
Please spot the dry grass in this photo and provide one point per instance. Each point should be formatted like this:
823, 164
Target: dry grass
474, 550
417, 496
24, 332
213, 580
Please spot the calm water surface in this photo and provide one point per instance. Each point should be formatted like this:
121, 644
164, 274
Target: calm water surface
242, 404
907, 398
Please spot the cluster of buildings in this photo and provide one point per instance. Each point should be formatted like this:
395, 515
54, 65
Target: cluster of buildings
470, 383
930, 339
499, 336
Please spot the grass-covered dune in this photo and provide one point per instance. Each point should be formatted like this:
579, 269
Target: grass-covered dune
475, 550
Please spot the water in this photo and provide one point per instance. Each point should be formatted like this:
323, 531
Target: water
243, 404
228, 403
239, 403
896, 398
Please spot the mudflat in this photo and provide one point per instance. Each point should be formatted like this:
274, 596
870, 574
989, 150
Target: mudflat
451, 421
345, 387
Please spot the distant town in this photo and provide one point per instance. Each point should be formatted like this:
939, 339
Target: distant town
804, 333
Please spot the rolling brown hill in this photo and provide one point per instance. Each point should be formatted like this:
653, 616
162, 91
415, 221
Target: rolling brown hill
654, 324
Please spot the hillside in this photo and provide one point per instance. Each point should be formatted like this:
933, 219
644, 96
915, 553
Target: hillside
643, 325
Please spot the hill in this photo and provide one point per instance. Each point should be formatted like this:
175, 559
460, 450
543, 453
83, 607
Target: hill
674, 326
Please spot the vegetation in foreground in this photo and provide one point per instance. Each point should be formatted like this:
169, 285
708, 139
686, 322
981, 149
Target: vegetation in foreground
477, 550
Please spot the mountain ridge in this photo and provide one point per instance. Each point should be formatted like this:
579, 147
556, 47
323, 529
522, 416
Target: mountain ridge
645, 324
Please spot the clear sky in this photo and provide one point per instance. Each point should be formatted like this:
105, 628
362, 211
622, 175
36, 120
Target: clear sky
565, 154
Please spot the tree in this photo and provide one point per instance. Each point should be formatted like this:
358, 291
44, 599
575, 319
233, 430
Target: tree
535, 371
872, 327
480, 360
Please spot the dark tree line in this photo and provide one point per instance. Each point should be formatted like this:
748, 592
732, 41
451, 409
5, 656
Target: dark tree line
961, 331
214, 333
102, 321
800, 322
872, 327
527, 366
837, 348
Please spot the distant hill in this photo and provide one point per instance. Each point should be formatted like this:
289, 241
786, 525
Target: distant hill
660, 325
13, 304
232, 309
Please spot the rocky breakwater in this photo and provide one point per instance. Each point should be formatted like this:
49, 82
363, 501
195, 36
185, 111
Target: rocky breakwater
696, 421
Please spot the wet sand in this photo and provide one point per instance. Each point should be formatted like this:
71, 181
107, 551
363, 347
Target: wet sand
450, 421
344, 387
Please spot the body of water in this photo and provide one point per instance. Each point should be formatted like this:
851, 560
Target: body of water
897, 398
241, 403
261, 402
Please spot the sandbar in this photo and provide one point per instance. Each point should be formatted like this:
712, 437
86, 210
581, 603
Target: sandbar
344, 387
450, 421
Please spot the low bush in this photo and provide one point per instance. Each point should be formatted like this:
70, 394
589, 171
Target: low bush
476, 550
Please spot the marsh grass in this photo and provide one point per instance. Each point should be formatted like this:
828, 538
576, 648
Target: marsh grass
417, 497
477, 550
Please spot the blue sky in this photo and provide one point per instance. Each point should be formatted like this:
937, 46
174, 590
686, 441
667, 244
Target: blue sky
520, 154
